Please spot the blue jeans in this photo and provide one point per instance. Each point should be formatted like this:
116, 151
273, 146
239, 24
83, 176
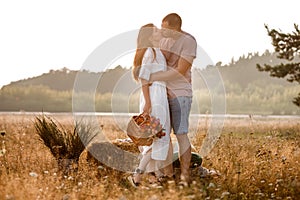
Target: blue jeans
180, 108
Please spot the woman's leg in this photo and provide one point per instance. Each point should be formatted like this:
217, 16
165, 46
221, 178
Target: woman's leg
142, 167
168, 163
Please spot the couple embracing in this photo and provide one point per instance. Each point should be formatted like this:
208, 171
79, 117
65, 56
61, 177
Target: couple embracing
162, 65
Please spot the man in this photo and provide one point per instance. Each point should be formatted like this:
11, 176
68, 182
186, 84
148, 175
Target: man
179, 49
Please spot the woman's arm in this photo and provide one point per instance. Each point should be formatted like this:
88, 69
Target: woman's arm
183, 66
146, 94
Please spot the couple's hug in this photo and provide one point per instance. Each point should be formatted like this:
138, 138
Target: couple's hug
162, 65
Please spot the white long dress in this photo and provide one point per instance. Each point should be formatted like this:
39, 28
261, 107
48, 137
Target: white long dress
159, 102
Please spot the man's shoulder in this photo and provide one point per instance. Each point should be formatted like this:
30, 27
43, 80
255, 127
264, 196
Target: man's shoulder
189, 36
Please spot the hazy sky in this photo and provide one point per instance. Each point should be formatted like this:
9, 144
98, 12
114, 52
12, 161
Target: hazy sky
37, 36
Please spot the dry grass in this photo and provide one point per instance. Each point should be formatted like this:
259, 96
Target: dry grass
66, 145
257, 159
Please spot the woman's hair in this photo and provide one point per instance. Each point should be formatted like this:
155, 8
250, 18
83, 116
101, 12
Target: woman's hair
143, 42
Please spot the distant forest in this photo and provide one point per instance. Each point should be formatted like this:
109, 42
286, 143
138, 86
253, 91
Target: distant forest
248, 91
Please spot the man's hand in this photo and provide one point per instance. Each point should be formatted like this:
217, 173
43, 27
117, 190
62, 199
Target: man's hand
183, 66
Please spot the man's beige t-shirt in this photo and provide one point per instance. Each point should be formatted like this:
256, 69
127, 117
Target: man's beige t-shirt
186, 47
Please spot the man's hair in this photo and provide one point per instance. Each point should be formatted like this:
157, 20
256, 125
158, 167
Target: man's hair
173, 19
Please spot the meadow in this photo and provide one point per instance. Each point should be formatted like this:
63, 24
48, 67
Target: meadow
257, 158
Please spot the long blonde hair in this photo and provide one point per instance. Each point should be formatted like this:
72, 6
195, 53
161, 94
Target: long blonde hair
143, 42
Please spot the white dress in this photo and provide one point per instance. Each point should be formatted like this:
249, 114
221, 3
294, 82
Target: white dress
159, 101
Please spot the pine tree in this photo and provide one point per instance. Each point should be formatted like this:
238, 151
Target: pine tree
287, 47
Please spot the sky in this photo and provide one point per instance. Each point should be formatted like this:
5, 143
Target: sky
37, 36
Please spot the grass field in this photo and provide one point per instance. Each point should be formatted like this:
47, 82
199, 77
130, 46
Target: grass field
257, 159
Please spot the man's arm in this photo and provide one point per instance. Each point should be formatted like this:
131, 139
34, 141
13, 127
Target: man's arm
183, 66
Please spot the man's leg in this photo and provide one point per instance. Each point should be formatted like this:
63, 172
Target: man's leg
180, 109
184, 156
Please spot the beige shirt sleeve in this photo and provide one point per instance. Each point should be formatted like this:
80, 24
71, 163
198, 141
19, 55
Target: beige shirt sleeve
189, 49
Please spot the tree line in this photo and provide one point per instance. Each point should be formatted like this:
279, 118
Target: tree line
248, 91
254, 99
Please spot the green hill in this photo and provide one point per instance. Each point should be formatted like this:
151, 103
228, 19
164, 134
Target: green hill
241, 72
247, 89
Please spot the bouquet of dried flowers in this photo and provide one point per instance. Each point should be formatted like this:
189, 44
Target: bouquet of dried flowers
143, 129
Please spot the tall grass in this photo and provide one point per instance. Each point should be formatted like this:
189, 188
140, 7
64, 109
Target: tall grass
65, 145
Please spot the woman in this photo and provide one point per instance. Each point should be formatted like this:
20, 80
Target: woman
153, 100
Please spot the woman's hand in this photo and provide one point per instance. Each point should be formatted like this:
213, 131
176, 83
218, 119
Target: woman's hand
147, 108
